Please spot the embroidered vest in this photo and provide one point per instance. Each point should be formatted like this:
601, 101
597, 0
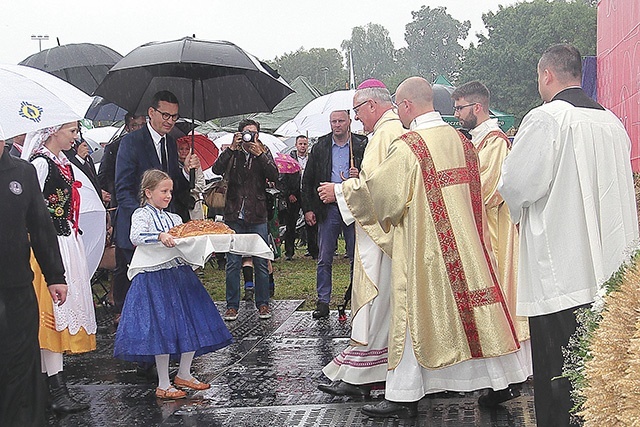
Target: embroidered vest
57, 194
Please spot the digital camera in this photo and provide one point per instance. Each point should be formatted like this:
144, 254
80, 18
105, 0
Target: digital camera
248, 136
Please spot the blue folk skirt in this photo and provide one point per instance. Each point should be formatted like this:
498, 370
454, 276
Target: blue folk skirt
168, 312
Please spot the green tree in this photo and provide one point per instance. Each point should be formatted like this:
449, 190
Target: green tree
372, 52
433, 46
506, 58
322, 67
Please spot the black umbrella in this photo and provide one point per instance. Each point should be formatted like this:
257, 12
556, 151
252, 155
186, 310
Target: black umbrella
214, 78
84, 65
102, 110
442, 101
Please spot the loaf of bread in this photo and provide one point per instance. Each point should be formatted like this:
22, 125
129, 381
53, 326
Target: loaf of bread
200, 227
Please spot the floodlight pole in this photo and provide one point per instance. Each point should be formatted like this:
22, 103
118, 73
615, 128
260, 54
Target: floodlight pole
40, 38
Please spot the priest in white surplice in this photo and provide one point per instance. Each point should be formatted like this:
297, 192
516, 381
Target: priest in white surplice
568, 183
449, 326
364, 361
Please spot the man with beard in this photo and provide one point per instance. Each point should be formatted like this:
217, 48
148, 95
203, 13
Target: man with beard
471, 108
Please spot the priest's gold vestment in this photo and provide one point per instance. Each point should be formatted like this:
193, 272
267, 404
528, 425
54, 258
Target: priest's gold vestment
444, 286
493, 146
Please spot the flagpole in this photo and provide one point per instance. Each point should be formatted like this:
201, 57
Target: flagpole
352, 77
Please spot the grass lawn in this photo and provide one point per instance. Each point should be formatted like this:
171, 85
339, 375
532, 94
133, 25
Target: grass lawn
294, 279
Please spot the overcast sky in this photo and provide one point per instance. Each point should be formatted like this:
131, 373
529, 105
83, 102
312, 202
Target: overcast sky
265, 28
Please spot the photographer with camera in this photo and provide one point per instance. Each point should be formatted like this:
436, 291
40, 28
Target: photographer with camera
248, 165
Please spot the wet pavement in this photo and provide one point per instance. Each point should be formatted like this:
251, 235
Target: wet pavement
267, 377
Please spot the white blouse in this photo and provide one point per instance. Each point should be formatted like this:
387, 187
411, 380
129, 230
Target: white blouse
147, 223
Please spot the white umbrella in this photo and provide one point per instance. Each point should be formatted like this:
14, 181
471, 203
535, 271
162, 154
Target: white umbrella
289, 128
272, 142
31, 99
313, 119
98, 137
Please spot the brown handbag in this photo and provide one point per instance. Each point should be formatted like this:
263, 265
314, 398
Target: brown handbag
216, 196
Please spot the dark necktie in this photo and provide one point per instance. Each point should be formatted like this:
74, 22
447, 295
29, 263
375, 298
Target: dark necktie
163, 153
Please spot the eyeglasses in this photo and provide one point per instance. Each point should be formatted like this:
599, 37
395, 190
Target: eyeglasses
404, 101
459, 108
355, 109
167, 116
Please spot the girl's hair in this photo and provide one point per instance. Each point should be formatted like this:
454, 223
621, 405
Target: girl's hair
150, 180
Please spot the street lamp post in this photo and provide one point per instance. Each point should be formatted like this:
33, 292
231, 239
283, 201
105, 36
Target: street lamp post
40, 38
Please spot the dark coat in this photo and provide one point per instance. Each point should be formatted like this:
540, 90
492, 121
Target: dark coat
25, 223
107, 171
136, 155
319, 170
88, 168
247, 184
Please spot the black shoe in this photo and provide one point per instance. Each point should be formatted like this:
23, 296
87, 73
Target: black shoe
288, 257
61, 402
341, 388
387, 409
321, 311
307, 254
491, 398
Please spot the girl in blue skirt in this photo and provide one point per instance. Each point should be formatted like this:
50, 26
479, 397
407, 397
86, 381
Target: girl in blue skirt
167, 312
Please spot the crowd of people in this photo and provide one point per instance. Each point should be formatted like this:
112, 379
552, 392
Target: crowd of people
468, 256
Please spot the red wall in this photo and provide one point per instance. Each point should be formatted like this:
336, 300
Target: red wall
619, 65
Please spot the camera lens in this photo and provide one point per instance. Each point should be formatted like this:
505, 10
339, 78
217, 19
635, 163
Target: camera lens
247, 136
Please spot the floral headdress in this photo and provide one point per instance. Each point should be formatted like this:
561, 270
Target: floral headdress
35, 140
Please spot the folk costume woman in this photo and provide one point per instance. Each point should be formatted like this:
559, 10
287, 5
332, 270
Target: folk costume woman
68, 328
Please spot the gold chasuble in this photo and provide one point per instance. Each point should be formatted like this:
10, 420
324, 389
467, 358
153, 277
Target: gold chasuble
444, 287
492, 149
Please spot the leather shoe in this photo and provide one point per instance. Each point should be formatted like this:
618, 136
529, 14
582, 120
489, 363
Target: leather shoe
321, 311
341, 388
491, 398
193, 384
387, 409
170, 393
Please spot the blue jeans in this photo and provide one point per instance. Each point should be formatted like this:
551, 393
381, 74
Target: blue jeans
234, 266
328, 232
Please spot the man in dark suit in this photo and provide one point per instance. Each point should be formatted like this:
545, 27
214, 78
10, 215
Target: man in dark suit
16, 145
290, 186
79, 156
335, 157
150, 147
107, 172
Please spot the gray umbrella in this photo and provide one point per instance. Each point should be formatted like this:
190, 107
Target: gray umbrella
211, 79
84, 65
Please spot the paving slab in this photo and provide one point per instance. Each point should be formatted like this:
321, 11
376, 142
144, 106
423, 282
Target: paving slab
267, 377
